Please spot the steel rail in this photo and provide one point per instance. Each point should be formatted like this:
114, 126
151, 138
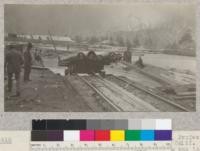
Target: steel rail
101, 94
153, 94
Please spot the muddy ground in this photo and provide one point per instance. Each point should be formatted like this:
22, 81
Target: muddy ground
49, 93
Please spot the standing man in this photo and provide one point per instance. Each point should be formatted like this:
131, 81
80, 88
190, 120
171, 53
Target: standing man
27, 62
13, 63
127, 55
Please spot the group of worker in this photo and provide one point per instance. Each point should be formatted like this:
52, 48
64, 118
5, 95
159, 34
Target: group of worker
90, 63
14, 61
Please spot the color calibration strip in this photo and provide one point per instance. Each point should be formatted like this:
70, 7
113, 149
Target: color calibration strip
102, 130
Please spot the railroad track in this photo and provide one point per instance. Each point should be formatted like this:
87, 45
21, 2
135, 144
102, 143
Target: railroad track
101, 94
160, 102
119, 98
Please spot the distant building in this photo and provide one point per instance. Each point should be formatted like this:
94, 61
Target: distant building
47, 37
62, 38
11, 35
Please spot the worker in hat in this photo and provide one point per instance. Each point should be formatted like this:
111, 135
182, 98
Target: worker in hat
13, 64
27, 62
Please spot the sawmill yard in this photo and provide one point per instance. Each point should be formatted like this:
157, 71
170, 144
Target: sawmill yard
85, 58
124, 88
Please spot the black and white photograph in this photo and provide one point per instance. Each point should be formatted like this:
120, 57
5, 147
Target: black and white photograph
100, 57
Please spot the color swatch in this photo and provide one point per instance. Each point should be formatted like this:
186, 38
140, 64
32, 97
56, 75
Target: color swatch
72, 135
87, 135
102, 130
147, 135
132, 135
117, 135
102, 135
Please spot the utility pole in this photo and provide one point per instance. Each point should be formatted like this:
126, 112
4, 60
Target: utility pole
52, 41
54, 46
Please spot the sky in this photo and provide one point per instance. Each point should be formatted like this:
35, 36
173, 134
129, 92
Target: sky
92, 19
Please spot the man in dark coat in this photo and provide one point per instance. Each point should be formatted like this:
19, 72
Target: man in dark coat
13, 63
27, 62
127, 55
